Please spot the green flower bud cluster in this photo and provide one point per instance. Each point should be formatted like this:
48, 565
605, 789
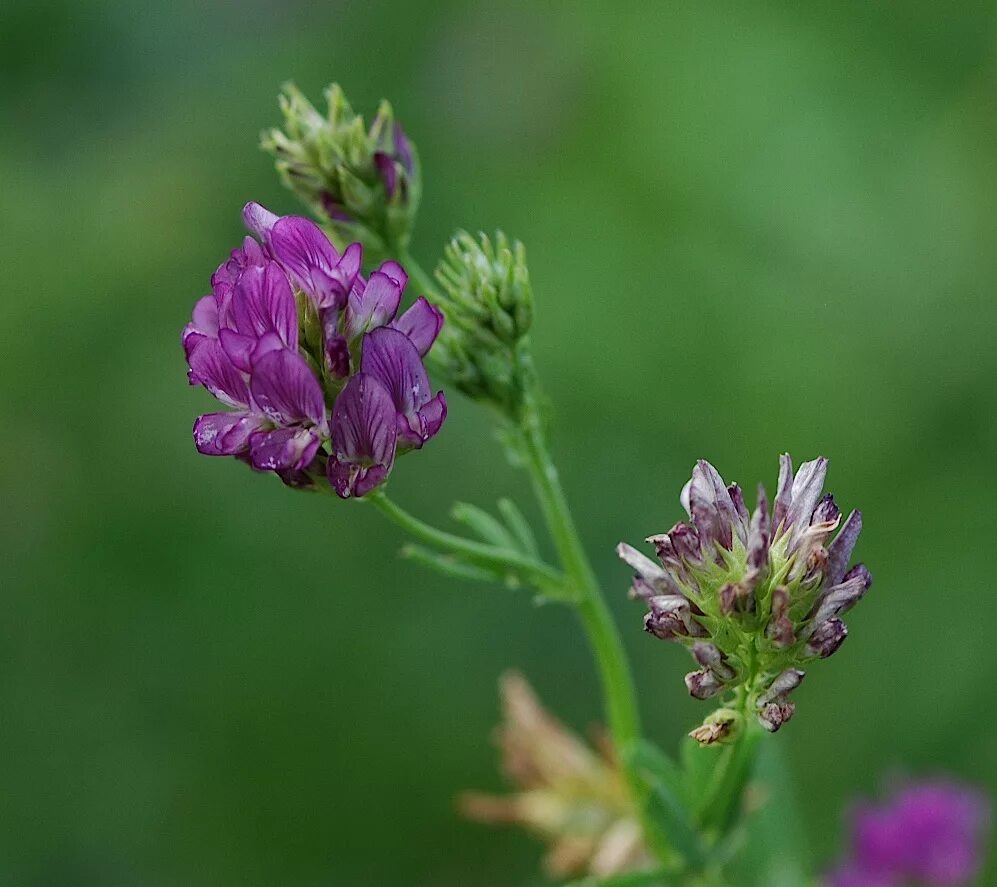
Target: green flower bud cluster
365, 183
488, 304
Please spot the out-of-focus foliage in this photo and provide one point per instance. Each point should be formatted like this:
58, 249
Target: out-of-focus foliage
752, 228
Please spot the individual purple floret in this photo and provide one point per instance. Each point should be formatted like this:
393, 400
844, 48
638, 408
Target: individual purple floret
321, 373
929, 834
364, 439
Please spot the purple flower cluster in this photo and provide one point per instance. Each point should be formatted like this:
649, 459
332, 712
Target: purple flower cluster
320, 372
928, 834
753, 595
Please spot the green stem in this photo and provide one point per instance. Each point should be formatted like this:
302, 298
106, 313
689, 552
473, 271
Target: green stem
478, 552
424, 283
724, 803
619, 693
614, 671
617, 684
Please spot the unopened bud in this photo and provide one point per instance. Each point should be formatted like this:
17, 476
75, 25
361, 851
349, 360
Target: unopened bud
365, 183
827, 638
488, 303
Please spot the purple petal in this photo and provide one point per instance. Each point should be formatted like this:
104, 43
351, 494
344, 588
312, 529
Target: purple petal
204, 324
414, 430
285, 449
702, 684
669, 616
403, 149
826, 512
225, 434
840, 550
841, 598
784, 493
759, 533
686, 543
349, 479
223, 298
259, 220
264, 345
363, 437
807, 487
286, 390
304, 250
943, 825
422, 323
205, 316
239, 348
395, 271
664, 618
784, 683
827, 638
852, 875
263, 302
337, 356
372, 306
333, 209
249, 255
211, 367
390, 357
774, 714
711, 507
737, 497
386, 169
641, 564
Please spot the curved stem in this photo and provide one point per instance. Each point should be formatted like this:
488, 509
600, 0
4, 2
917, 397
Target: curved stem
618, 690
478, 552
614, 671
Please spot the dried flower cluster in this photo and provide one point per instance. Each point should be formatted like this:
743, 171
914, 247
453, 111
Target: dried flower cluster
571, 796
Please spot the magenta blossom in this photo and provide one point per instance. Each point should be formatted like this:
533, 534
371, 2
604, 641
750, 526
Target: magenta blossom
321, 373
928, 834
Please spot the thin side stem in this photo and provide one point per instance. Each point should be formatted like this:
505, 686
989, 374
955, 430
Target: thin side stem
424, 283
478, 552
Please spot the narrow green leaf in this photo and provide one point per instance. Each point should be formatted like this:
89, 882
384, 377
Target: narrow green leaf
725, 800
773, 848
479, 521
519, 526
665, 771
699, 768
449, 565
665, 805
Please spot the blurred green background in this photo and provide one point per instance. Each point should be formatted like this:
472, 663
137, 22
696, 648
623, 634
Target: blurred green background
752, 228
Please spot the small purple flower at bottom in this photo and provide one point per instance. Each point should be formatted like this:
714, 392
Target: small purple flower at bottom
929, 834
